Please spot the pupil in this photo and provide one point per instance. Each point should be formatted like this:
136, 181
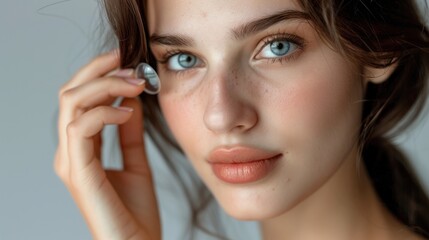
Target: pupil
186, 60
279, 48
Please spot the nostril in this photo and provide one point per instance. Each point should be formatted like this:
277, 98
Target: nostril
240, 127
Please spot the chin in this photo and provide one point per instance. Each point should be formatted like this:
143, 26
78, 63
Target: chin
256, 203
249, 212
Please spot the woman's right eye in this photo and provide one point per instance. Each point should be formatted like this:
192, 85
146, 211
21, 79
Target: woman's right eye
182, 61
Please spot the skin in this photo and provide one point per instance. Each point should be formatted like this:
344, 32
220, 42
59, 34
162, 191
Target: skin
233, 97
307, 108
226, 93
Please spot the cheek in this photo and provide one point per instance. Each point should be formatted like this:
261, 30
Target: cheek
181, 117
318, 116
322, 93
319, 106
316, 119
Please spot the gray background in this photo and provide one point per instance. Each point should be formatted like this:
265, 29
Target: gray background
41, 46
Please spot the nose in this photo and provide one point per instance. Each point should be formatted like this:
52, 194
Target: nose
229, 106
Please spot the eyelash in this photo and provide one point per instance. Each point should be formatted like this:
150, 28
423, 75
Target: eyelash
168, 54
163, 62
294, 39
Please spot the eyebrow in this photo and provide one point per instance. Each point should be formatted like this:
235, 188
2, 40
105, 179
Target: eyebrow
258, 25
171, 40
238, 33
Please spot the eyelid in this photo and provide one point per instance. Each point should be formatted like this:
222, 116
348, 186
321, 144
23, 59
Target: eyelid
170, 53
165, 57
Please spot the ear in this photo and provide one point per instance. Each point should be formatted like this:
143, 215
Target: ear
379, 75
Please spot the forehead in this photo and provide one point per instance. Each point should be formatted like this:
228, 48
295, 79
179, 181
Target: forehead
178, 16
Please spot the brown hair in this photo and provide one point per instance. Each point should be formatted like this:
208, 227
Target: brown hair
371, 33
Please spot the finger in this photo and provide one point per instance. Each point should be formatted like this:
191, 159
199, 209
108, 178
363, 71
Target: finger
81, 131
97, 68
132, 141
101, 91
98, 141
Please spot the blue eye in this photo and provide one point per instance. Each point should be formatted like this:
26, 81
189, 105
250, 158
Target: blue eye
278, 48
182, 61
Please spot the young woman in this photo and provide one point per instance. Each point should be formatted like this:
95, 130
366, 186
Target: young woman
284, 108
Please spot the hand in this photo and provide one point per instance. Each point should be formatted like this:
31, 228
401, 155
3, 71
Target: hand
115, 204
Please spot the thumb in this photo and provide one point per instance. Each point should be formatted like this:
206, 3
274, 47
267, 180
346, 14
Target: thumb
131, 139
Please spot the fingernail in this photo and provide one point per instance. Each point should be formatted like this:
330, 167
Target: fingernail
128, 72
135, 81
125, 109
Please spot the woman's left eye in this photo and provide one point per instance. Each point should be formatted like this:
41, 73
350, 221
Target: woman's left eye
277, 49
182, 61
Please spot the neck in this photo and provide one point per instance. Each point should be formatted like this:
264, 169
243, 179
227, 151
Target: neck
345, 207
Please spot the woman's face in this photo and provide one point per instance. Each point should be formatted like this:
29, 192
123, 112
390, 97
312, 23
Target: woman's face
265, 111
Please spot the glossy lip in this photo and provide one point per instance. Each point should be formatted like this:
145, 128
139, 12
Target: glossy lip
241, 164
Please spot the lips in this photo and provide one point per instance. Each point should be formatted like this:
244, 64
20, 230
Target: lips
242, 164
